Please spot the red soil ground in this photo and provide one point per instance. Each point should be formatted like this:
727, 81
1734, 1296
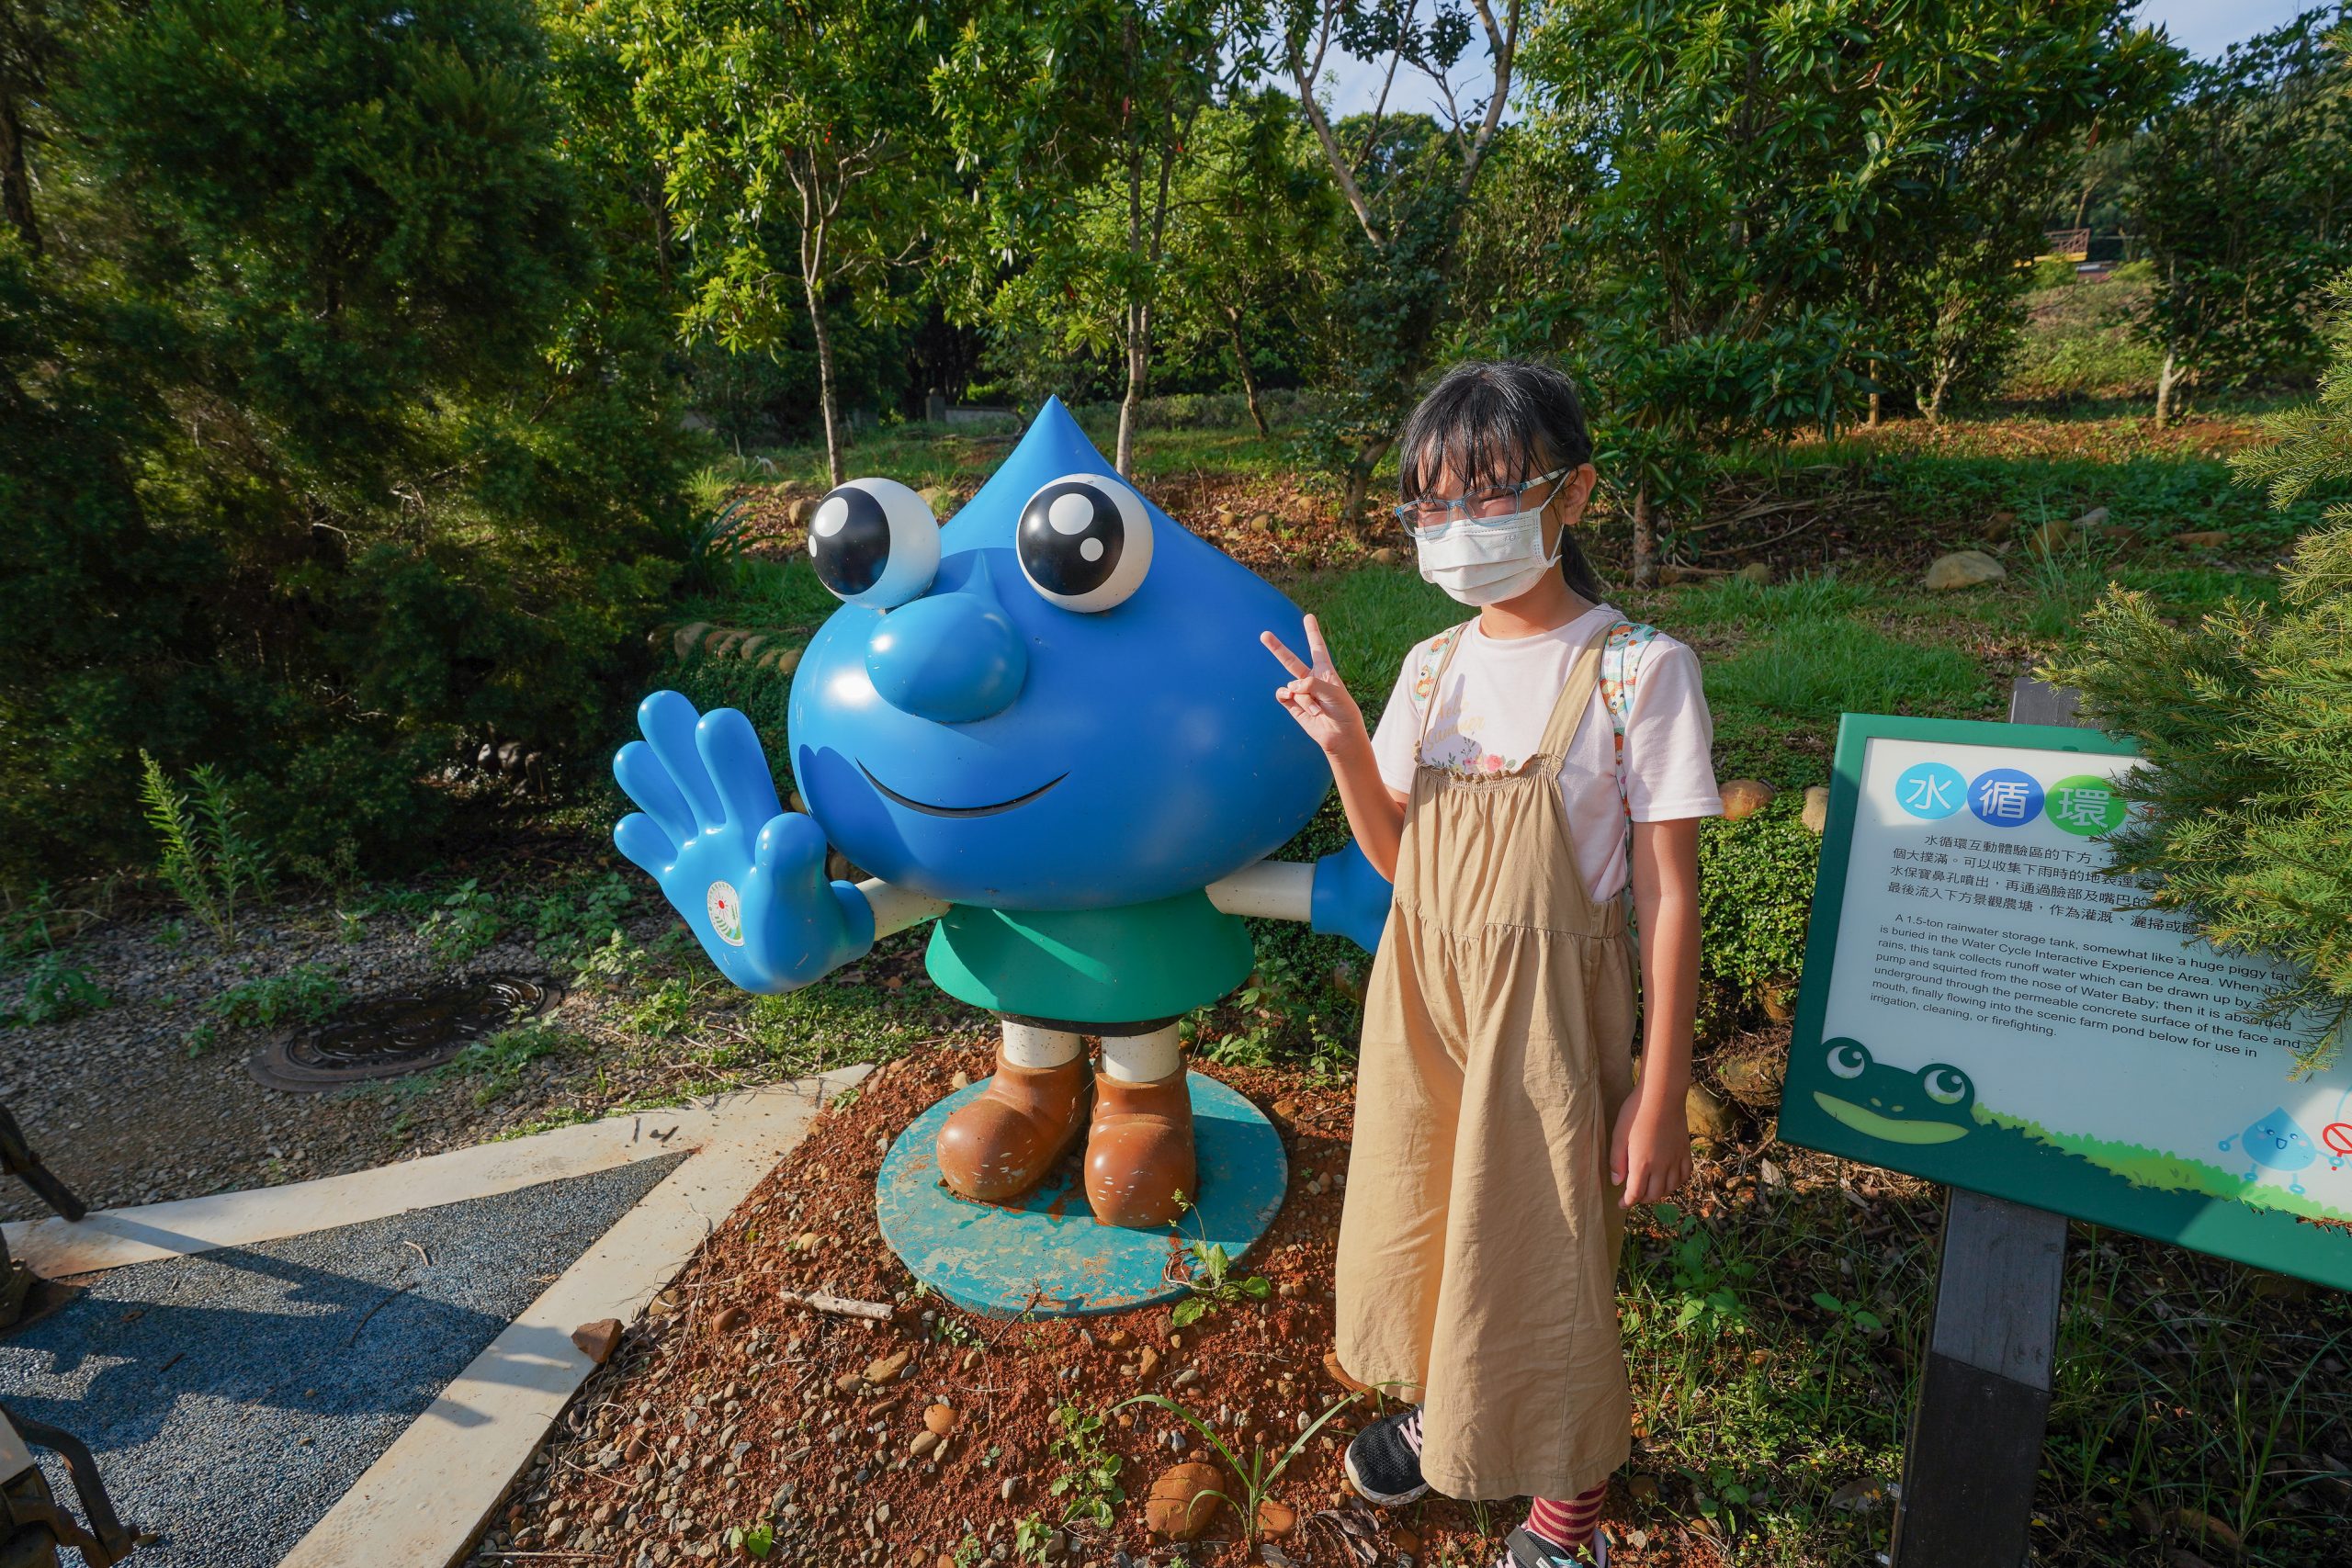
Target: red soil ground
727, 1407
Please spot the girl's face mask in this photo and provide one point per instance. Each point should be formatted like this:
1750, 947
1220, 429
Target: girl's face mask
1485, 560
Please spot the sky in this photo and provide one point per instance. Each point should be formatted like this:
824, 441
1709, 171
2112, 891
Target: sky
2204, 27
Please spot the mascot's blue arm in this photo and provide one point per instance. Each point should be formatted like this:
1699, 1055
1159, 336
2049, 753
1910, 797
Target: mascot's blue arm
1340, 894
1350, 897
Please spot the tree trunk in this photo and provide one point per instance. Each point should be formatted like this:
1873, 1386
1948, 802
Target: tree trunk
1932, 405
1358, 500
16, 181
1131, 406
1644, 541
2167, 379
1872, 421
1352, 505
825, 383
1249, 377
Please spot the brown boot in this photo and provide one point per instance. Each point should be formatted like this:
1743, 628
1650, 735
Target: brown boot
1001, 1143
1139, 1164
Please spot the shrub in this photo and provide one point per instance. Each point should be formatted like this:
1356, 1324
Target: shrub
1756, 881
2245, 720
321, 448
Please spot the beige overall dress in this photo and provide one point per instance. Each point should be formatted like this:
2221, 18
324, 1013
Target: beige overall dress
1477, 1256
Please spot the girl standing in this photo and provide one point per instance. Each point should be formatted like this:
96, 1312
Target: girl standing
1531, 764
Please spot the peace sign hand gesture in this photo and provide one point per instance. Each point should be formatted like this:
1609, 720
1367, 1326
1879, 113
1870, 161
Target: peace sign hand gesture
1315, 696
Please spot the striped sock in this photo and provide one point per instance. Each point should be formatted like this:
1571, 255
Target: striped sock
1569, 1524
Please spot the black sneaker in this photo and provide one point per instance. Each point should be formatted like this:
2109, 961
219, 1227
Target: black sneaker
1525, 1549
1384, 1463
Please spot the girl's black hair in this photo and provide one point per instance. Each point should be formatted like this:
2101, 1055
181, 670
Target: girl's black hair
1498, 421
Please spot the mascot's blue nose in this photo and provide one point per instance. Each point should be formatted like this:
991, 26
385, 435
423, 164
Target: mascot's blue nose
952, 656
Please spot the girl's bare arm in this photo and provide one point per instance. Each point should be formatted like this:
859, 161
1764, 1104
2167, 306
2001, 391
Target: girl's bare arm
1653, 1147
1321, 704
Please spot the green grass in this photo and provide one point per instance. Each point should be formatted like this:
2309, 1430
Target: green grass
2152, 489
1370, 618
2197, 591
1738, 602
1775, 1344
1800, 673
2082, 343
765, 591
831, 1023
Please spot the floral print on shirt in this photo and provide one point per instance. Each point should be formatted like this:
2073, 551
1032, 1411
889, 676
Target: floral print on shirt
1621, 672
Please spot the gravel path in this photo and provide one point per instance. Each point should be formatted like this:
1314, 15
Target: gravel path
231, 1396
117, 1104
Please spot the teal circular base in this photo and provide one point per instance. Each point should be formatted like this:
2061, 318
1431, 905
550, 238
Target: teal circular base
1045, 1254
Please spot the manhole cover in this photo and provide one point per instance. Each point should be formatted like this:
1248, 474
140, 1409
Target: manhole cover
383, 1037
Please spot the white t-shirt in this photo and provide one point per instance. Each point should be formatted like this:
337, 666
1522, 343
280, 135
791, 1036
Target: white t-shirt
1497, 695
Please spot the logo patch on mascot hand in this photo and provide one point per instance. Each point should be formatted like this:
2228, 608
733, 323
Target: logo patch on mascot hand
725, 912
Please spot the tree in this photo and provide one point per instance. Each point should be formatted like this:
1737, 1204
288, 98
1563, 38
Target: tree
1250, 227
1942, 292
2244, 719
29, 47
1076, 123
1406, 180
1952, 324
1746, 159
2241, 188
798, 154
316, 462
1536, 190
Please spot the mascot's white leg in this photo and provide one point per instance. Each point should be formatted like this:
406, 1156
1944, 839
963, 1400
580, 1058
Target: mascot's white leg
1029, 1046
1141, 1058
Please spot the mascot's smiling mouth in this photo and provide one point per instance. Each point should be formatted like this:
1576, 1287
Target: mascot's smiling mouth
929, 810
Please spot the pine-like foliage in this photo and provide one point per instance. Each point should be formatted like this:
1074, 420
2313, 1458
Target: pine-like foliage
2312, 445
2245, 720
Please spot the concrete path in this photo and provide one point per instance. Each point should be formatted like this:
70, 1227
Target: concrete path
231, 1396
352, 1370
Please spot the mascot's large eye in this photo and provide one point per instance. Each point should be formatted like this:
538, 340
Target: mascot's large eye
1846, 1059
1085, 542
1945, 1086
875, 542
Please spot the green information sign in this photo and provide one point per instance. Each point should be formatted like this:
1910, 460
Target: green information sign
1984, 1008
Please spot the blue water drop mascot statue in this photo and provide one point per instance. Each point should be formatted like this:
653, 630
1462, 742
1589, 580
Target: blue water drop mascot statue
1050, 726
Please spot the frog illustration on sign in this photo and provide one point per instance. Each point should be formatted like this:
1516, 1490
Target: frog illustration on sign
2279, 1142
1049, 727
1934, 1105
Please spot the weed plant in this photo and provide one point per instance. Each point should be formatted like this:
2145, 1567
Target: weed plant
52, 989
464, 921
1089, 1483
306, 993
208, 859
1255, 1475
